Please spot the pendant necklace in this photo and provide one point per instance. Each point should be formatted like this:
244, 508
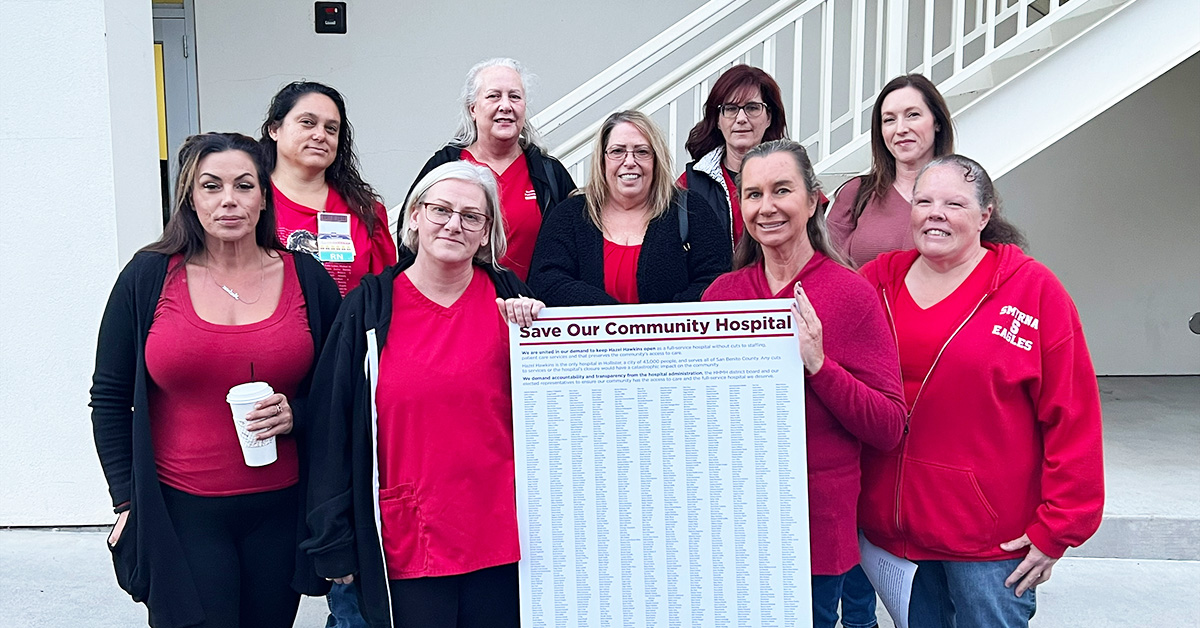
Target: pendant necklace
230, 291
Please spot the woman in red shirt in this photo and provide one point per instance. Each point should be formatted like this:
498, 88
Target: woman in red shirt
852, 386
414, 494
319, 194
1000, 469
494, 131
623, 240
203, 538
910, 125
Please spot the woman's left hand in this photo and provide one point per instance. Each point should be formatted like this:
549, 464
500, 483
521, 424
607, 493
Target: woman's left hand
1032, 571
272, 416
521, 310
812, 347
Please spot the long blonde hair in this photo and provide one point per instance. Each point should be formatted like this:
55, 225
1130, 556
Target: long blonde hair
662, 187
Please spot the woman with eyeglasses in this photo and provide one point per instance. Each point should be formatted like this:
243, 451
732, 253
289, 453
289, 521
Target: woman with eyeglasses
743, 110
421, 440
631, 236
494, 132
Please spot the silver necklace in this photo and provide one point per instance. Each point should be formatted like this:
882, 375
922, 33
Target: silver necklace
262, 275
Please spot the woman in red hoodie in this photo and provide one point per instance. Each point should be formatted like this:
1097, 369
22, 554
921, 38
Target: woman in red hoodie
1000, 467
852, 392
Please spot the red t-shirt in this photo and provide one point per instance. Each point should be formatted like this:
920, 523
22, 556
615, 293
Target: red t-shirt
296, 225
620, 271
519, 207
192, 365
447, 489
923, 332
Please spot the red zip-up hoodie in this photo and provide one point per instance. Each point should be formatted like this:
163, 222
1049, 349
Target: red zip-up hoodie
1004, 437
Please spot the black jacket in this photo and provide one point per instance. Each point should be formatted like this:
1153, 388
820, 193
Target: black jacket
702, 179
148, 557
341, 497
551, 181
568, 261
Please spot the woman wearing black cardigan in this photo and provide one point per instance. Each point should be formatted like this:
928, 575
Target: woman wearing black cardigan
632, 236
202, 538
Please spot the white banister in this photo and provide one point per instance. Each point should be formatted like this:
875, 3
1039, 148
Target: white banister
992, 30
634, 63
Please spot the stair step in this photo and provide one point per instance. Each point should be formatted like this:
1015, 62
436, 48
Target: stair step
1146, 537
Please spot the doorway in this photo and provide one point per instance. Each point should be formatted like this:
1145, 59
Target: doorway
178, 100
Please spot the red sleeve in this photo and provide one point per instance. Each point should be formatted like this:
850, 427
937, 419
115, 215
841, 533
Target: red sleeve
864, 391
382, 245
1068, 412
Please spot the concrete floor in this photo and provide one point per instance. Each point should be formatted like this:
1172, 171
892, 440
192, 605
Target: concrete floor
1142, 568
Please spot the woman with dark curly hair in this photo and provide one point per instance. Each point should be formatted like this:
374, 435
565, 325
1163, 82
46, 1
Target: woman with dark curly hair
318, 191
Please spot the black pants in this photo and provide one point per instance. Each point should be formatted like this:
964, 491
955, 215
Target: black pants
487, 598
242, 554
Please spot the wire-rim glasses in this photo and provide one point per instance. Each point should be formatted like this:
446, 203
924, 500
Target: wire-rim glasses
469, 220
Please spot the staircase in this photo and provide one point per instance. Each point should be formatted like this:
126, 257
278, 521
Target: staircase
1017, 74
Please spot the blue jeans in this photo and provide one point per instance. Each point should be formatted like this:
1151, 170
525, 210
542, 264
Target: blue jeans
826, 592
343, 607
858, 600
952, 594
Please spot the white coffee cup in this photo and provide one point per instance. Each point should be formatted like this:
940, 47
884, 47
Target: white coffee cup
241, 398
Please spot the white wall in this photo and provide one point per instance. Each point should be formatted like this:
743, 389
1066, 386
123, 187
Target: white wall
81, 197
1114, 209
401, 64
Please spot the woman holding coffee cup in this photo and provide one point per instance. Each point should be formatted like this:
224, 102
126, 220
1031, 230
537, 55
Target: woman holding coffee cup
203, 537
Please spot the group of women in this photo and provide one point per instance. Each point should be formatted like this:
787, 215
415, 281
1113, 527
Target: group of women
952, 411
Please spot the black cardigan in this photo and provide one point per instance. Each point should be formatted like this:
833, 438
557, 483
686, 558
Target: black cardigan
551, 181
568, 261
341, 515
148, 557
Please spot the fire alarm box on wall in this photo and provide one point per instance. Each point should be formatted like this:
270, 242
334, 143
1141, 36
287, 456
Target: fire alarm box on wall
331, 17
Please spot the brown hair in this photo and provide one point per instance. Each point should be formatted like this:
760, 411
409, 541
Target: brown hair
875, 183
706, 135
184, 233
998, 230
748, 251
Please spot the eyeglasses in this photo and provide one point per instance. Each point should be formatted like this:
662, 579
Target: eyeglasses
752, 109
470, 221
617, 153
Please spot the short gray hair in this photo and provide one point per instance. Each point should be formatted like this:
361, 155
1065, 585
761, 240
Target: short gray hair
497, 243
466, 134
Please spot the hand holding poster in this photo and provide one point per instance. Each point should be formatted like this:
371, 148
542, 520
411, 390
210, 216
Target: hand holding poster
660, 466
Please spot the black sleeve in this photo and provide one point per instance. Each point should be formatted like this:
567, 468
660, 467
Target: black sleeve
555, 272
322, 300
337, 382
113, 384
565, 184
709, 255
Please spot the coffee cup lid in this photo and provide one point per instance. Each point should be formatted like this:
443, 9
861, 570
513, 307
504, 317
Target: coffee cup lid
251, 391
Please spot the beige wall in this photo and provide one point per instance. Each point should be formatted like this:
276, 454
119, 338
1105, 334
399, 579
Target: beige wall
401, 64
1114, 209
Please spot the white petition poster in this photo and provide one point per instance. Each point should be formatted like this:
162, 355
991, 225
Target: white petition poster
660, 466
